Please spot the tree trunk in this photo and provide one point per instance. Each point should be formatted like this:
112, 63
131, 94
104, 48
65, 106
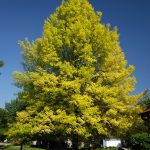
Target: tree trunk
21, 145
75, 142
48, 145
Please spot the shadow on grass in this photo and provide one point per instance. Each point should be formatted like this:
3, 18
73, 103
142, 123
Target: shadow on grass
25, 147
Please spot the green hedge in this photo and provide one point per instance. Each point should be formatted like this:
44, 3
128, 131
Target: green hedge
140, 141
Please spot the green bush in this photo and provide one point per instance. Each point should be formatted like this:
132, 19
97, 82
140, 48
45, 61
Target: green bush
140, 141
2, 134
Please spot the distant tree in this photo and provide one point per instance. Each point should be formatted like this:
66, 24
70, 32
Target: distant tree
9, 113
20, 130
3, 120
77, 81
3, 123
13, 107
145, 100
1, 64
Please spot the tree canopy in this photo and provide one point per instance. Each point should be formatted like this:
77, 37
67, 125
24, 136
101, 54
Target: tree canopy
76, 78
8, 115
1, 64
145, 100
3, 123
13, 107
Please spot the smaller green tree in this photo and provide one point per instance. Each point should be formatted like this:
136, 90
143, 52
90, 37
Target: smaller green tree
13, 107
1, 64
20, 131
3, 123
145, 101
3, 119
9, 113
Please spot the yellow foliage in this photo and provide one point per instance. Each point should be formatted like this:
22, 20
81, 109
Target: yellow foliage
76, 79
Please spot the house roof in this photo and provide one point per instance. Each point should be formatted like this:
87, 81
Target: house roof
146, 111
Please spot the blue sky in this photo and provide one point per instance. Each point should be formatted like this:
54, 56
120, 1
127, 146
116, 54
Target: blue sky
24, 18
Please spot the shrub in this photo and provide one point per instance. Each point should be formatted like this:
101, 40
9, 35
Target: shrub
140, 141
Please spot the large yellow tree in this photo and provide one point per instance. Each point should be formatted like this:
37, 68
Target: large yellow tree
77, 80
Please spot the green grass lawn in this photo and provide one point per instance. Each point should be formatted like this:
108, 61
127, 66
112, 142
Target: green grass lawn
24, 148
